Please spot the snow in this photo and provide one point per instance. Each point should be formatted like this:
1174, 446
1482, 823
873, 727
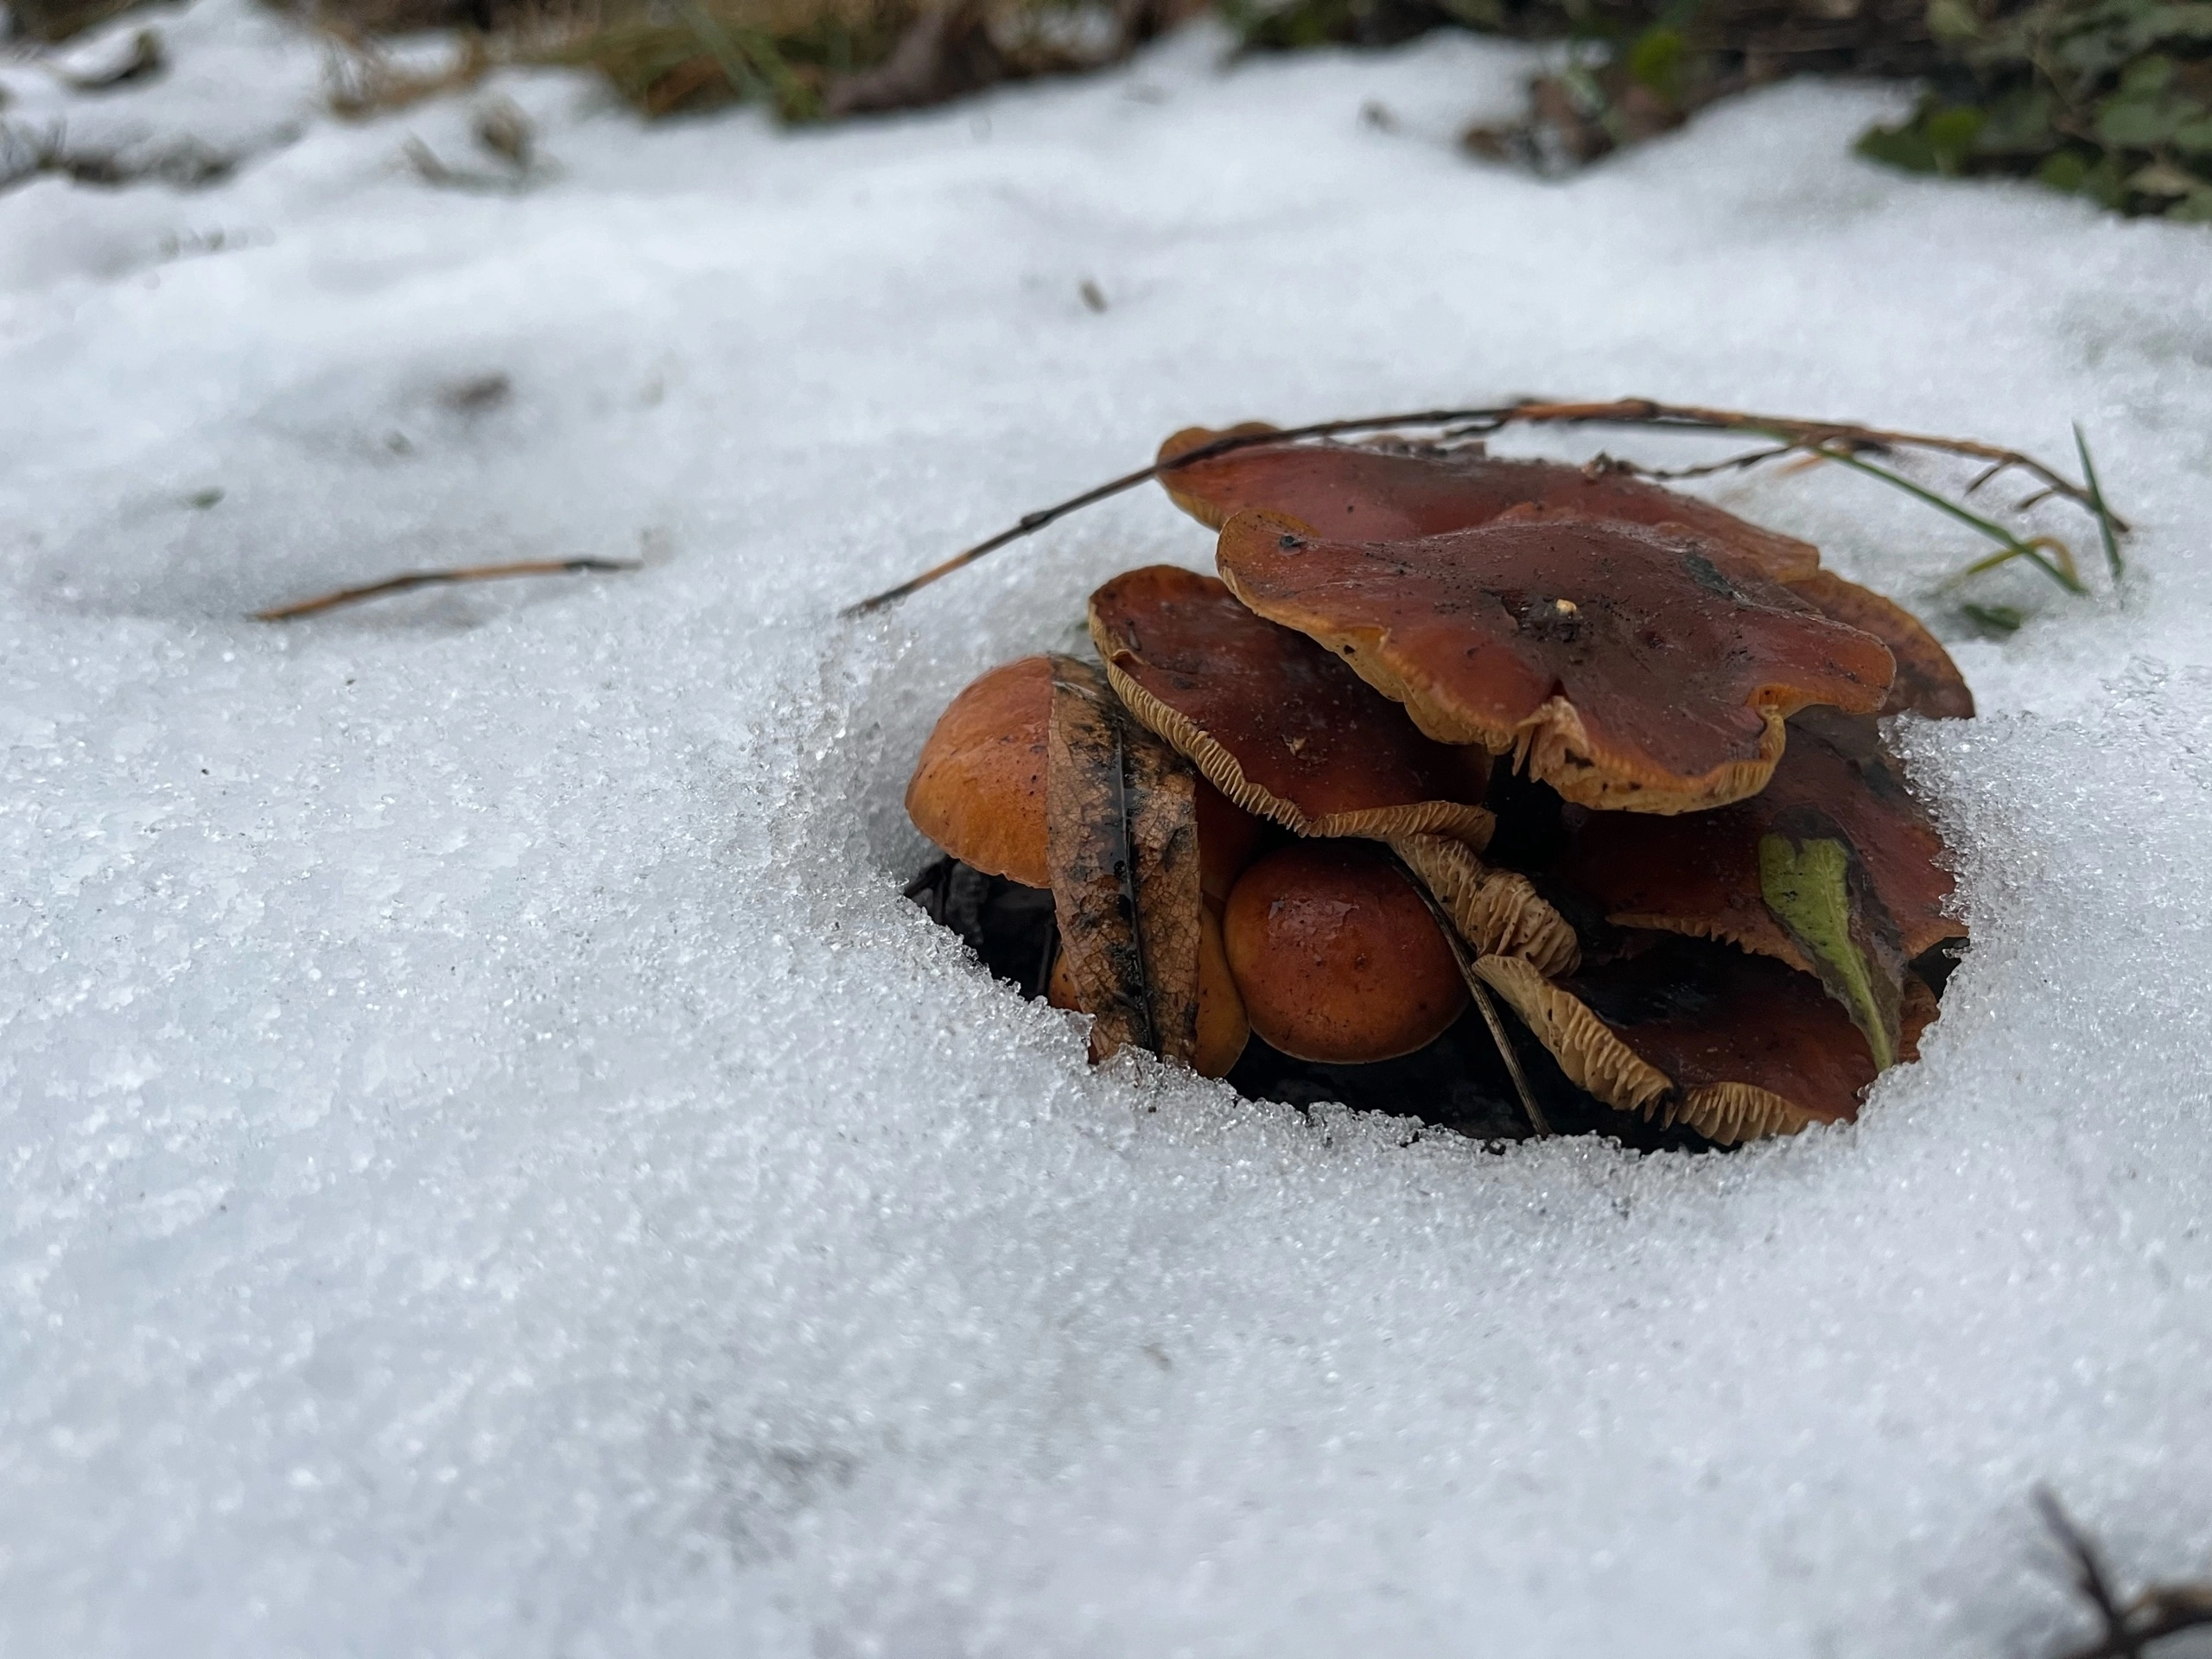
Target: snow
493, 1166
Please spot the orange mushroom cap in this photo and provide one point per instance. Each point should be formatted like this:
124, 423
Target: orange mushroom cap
978, 790
1699, 873
1228, 836
1387, 490
1275, 721
1736, 1047
1928, 681
1622, 666
1338, 957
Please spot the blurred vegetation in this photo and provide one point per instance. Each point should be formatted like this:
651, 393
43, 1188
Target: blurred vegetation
2109, 98
807, 59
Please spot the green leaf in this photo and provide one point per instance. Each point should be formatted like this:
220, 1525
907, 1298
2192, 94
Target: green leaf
2019, 123
2139, 123
1808, 887
1951, 135
2064, 171
1998, 621
1899, 147
2146, 77
1953, 21
1654, 59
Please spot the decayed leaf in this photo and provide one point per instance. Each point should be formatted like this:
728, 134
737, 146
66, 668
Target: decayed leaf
1390, 491
1817, 890
1123, 842
1621, 666
1273, 720
1736, 1046
1699, 873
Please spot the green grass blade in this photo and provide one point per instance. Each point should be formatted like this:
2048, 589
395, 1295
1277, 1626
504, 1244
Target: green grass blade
2013, 546
2105, 530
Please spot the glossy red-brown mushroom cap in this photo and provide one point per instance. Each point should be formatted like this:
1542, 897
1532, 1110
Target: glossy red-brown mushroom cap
1928, 681
978, 790
1338, 957
1699, 873
1385, 491
1275, 721
1621, 666
1735, 1046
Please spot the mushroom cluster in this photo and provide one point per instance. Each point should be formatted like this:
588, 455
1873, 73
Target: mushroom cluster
1466, 771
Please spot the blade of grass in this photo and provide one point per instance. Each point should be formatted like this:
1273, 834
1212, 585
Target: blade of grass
2013, 547
2105, 531
744, 79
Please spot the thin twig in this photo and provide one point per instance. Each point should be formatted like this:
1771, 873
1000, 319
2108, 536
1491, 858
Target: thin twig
1830, 438
2090, 1579
2160, 1611
1712, 468
1480, 993
437, 578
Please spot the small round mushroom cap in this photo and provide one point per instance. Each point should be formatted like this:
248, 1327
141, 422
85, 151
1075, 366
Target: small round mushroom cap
978, 790
1338, 957
1620, 665
1699, 873
1222, 1027
1928, 681
1273, 720
1228, 836
1736, 1047
1387, 490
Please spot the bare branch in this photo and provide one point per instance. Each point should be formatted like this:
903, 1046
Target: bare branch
1830, 440
2161, 1610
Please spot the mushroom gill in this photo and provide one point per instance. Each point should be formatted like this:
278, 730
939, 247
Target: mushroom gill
1688, 1030
1281, 727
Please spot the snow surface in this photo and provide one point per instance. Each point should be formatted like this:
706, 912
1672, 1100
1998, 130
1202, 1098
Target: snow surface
493, 1166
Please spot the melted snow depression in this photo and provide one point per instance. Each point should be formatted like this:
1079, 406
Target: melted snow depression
495, 1167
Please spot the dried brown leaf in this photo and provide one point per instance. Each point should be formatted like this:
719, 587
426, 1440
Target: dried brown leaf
1122, 841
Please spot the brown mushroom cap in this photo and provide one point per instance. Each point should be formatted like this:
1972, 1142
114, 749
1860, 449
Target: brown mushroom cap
1222, 1027
1699, 873
1228, 836
978, 790
1275, 721
1621, 665
1337, 956
1927, 682
1736, 1047
1383, 491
